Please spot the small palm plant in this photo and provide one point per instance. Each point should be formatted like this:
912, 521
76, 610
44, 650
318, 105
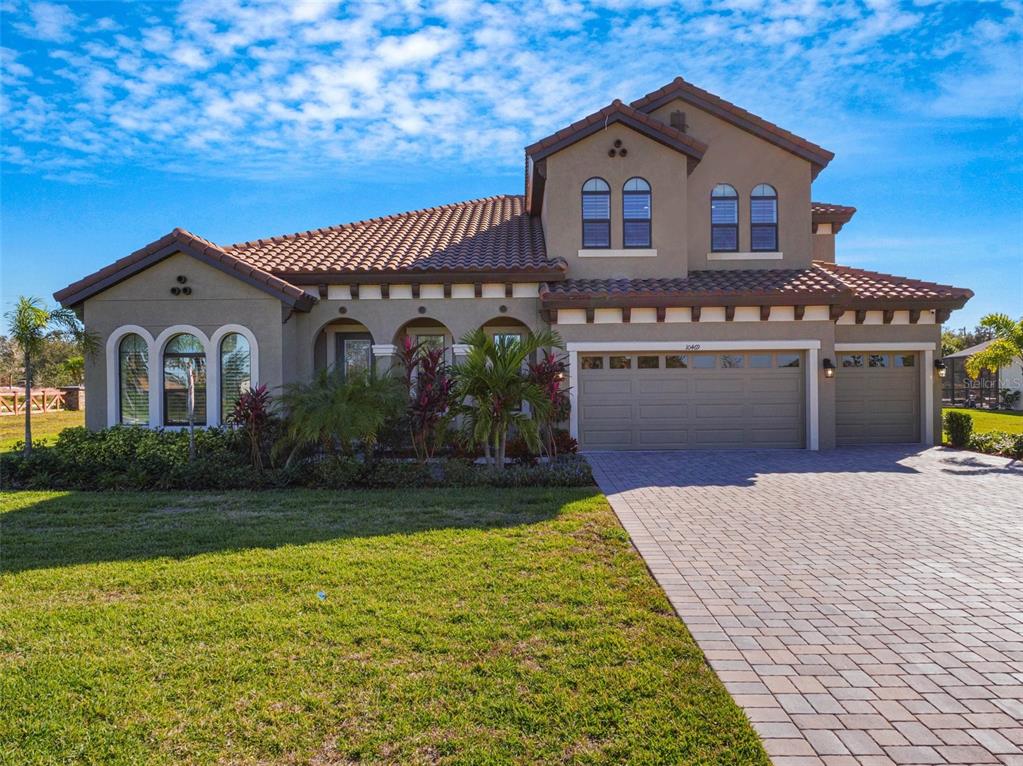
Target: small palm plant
491, 388
30, 323
338, 412
1006, 348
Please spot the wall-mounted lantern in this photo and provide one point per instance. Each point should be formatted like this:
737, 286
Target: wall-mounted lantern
829, 368
939, 365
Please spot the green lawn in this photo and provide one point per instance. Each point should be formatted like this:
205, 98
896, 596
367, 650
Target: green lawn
986, 420
483, 626
45, 427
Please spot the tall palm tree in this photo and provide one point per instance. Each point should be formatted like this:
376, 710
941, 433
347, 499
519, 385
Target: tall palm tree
491, 387
30, 323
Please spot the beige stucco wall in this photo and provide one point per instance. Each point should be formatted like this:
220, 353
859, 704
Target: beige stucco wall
664, 169
742, 160
145, 300
824, 247
384, 317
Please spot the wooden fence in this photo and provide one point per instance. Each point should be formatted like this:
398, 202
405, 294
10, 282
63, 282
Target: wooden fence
12, 400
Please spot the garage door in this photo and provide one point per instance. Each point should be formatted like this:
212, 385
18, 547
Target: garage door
691, 401
877, 398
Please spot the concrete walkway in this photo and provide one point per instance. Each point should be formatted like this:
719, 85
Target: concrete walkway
864, 606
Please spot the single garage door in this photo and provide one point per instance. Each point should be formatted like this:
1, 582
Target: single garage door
645, 401
877, 398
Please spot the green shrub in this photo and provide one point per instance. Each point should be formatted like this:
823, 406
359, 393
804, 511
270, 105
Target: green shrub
1016, 448
959, 426
126, 458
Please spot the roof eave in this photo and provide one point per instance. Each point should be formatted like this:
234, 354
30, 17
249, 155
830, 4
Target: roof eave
76, 293
818, 158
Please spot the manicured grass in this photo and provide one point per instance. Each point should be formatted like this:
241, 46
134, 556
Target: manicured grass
45, 427
484, 626
987, 420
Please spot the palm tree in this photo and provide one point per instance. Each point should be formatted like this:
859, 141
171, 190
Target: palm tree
30, 324
491, 388
1006, 348
337, 411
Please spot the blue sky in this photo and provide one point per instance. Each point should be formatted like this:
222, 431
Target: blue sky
243, 119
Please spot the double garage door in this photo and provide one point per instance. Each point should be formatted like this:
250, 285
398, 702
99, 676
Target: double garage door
647, 401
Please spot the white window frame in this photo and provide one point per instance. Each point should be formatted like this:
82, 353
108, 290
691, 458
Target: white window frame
114, 370
213, 370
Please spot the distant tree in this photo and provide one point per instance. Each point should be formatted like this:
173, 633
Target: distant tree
73, 369
951, 342
11, 368
30, 324
1006, 349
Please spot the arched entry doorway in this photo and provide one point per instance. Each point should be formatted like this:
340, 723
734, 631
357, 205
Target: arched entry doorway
345, 345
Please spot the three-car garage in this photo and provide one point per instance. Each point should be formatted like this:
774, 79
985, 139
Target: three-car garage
719, 396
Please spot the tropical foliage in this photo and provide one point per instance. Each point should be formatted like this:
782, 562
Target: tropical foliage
339, 413
253, 412
549, 374
30, 325
428, 383
1006, 347
491, 393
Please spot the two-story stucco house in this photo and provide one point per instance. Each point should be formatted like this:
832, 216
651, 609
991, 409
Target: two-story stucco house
672, 242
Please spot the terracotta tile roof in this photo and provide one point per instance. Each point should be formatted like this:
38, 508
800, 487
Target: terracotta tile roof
617, 111
874, 286
824, 283
719, 285
836, 215
827, 208
679, 88
494, 234
180, 240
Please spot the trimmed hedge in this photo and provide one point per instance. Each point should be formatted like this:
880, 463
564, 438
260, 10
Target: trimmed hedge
127, 458
998, 443
959, 426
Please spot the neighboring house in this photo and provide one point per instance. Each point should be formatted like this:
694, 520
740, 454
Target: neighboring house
672, 242
960, 389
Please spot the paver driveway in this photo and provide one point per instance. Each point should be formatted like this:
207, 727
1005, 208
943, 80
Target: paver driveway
865, 606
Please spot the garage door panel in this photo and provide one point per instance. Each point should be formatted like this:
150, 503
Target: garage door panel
664, 438
658, 385
597, 412
617, 386
718, 384
718, 438
610, 439
663, 412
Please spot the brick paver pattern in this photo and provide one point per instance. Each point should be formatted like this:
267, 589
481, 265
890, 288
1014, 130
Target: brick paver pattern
864, 606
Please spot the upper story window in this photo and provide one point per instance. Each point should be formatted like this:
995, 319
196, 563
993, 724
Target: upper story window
636, 213
133, 380
724, 219
763, 218
184, 381
235, 371
596, 213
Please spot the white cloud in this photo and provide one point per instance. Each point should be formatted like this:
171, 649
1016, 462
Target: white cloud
49, 21
258, 87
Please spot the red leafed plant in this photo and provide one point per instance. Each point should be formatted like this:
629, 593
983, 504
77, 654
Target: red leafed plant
429, 385
549, 374
253, 411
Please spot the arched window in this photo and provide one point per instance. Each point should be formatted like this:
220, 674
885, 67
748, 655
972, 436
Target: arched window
235, 371
184, 381
763, 218
636, 213
724, 219
133, 380
596, 213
